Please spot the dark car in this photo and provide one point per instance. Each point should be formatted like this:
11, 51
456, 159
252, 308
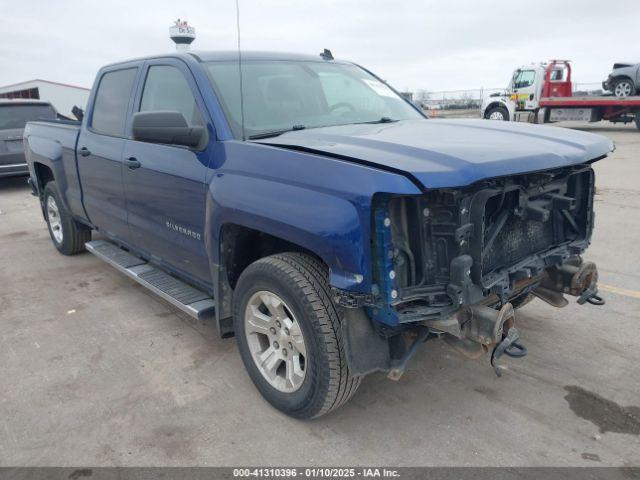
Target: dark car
14, 114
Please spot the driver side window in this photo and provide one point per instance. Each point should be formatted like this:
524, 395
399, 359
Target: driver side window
166, 89
524, 79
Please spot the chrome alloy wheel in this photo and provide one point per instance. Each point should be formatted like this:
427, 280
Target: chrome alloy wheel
275, 341
53, 216
623, 89
496, 115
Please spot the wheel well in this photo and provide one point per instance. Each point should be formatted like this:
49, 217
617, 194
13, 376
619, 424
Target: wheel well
43, 175
491, 106
624, 77
241, 246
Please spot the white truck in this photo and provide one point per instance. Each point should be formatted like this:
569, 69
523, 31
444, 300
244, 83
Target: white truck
542, 93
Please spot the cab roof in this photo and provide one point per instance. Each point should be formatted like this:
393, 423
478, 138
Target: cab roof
212, 56
231, 55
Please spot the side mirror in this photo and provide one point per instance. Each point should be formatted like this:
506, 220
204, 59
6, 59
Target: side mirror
166, 127
78, 112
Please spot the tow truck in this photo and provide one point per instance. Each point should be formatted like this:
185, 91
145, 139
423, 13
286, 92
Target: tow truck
542, 93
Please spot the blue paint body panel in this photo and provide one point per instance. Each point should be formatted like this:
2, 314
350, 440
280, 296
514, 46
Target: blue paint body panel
454, 153
315, 188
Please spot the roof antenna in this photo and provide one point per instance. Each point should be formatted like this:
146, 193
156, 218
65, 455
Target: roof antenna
326, 54
240, 70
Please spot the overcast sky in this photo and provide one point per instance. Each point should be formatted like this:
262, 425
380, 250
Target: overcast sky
433, 45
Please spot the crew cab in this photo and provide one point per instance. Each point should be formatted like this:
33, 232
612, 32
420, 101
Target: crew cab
316, 215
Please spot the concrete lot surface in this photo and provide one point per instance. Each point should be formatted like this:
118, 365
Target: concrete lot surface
96, 371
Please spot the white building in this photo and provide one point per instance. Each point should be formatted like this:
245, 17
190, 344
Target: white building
63, 97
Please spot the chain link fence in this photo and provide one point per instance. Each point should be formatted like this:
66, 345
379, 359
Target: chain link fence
468, 102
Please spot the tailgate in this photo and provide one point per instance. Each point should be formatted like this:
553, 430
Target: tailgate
11, 148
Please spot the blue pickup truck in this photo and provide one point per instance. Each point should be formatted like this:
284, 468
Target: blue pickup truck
316, 215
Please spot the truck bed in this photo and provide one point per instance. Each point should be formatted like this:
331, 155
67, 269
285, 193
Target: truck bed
54, 143
602, 101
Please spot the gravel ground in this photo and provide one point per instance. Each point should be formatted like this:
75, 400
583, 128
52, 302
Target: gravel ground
97, 371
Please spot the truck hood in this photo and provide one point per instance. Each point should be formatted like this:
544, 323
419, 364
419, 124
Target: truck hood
450, 153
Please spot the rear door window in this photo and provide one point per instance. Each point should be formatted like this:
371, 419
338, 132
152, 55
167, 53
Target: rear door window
16, 116
112, 101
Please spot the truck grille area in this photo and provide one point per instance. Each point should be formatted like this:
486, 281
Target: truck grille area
517, 239
458, 246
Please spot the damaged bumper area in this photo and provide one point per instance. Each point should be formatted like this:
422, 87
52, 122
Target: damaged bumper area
458, 262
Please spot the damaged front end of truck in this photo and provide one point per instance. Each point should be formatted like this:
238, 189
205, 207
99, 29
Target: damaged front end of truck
456, 263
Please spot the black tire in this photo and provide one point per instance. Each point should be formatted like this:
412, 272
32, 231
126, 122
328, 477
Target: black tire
302, 283
74, 234
497, 110
620, 89
637, 119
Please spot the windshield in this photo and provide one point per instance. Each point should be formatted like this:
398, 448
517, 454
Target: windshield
285, 95
16, 116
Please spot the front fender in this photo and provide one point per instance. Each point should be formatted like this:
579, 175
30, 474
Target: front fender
319, 203
330, 226
496, 102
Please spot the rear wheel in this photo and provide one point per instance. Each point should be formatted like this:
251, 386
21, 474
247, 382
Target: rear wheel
67, 235
637, 119
623, 87
289, 335
497, 113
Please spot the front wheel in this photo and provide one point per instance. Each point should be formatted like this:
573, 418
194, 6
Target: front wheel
289, 335
497, 113
67, 235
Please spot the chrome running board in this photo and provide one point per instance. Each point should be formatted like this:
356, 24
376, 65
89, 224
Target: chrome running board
190, 300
